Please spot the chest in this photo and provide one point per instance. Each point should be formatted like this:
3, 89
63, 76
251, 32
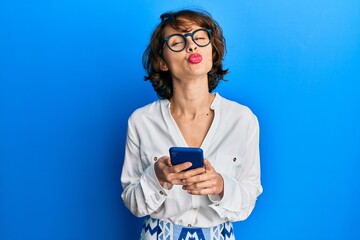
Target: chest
194, 130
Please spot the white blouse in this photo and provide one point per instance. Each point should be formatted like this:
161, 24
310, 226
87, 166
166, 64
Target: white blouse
231, 145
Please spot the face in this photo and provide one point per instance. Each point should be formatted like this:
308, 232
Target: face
193, 61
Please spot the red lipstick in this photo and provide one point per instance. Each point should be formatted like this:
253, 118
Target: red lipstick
194, 58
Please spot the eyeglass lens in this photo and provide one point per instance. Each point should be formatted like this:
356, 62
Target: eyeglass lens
177, 42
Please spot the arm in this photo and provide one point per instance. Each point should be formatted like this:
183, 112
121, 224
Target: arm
146, 188
142, 192
233, 198
240, 194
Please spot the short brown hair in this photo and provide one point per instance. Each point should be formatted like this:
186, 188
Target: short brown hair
161, 80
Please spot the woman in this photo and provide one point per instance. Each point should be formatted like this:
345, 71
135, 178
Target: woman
184, 65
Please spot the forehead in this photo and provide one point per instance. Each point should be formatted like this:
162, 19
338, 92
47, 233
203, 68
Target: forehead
190, 27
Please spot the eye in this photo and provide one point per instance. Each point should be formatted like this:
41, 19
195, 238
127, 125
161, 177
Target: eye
173, 44
176, 40
200, 36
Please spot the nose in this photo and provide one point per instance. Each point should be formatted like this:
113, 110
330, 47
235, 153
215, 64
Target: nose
190, 45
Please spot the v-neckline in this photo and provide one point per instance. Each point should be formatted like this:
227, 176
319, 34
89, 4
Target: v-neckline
180, 140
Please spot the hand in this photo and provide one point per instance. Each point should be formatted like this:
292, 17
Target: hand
210, 182
174, 175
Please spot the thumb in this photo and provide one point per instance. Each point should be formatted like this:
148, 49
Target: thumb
168, 161
207, 164
165, 160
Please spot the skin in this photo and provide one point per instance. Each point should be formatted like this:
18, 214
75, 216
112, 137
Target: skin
190, 108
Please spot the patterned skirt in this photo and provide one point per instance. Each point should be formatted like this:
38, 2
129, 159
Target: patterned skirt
157, 229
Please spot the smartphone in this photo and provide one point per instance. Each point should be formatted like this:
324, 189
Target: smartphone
186, 154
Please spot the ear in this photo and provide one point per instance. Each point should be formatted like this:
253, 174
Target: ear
163, 66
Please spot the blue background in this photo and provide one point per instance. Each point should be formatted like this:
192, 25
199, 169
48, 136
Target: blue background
71, 74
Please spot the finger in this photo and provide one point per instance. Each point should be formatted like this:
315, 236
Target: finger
168, 161
191, 173
176, 182
204, 191
181, 167
200, 185
164, 161
196, 178
207, 165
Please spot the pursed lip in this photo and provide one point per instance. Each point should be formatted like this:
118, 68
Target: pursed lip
195, 58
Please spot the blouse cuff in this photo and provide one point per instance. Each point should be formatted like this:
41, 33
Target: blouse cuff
220, 204
154, 193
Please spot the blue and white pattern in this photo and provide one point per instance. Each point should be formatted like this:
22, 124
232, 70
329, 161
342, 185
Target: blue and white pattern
157, 229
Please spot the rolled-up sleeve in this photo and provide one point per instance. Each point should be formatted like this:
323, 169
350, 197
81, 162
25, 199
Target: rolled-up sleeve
142, 193
240, 194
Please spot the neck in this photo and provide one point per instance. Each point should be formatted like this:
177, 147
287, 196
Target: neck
191, 103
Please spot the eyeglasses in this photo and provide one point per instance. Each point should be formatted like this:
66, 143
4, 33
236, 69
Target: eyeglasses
177, 42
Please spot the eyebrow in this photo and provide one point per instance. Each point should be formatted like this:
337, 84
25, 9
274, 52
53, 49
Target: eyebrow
185, 27
184, 31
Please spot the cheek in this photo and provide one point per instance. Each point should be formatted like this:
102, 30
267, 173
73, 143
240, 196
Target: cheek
170, 58
209, 58
209, 53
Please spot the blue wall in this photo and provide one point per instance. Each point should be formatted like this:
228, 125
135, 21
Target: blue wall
71, 74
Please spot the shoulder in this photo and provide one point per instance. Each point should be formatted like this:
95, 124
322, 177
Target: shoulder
150, 110
235, 110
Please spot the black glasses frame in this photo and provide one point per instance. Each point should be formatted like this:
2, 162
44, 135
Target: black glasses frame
184, 36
